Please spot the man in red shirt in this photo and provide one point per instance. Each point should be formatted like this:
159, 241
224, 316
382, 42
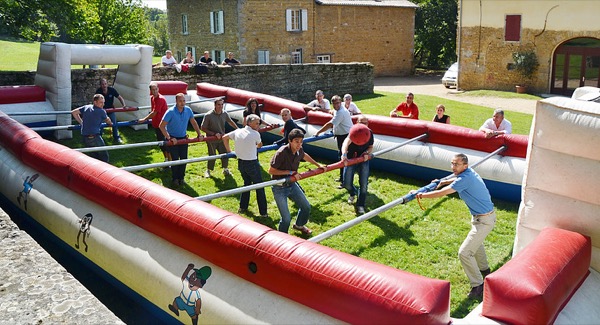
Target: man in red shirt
409, 109
158, 103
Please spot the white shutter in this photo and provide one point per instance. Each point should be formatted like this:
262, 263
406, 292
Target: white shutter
221, 26
288, 20
263, 57
304, 19
212, 23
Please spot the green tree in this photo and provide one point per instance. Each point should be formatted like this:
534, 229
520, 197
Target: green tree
435, 32
158, 31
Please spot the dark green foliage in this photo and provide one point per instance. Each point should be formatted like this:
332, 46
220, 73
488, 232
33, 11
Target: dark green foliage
435, 33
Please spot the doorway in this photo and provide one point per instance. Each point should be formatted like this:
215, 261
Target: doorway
576, 63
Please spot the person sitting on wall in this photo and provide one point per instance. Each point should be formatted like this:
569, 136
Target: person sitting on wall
230, 60
168, 60
189, 58
207, 60
409, 109
440, 117
496, 125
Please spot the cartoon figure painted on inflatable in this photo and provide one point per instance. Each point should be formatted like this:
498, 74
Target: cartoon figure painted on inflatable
84, 228
189, 298
27, 186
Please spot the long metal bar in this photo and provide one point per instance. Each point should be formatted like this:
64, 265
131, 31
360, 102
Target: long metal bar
238, 190
405, 199
214, 157
394, 147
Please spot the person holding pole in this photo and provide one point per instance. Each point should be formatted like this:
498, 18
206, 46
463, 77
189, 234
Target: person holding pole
110, 94
288, 126
158, 104
213, 124
359, 143
246, 141
472, 190
341, 123
285, 164
90, 118
174, 127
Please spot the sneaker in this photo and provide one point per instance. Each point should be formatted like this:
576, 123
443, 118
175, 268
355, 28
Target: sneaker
341, 186
476, 292
226, 172
207, 174
265, 215
351, 199
242, 211
485, 273
360, 210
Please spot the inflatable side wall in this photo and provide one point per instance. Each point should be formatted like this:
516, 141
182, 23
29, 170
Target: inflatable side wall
147, 238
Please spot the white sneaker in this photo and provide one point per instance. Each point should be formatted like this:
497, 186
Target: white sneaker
207, 173
360, 210
226, 172
351, 199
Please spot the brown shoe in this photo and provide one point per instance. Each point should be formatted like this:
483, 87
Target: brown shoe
304, 229
476, 292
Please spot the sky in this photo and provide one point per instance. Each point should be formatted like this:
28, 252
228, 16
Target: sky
161, 4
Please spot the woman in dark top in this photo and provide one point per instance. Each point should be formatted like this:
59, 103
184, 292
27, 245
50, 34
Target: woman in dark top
440, 116
252, 107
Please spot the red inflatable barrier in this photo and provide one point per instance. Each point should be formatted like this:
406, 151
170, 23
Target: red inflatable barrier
536, 284
22, 94
172, 87
444, 134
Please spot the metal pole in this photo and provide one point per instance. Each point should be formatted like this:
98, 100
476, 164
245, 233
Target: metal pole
121, 146
386, 150
242, 189
405, 199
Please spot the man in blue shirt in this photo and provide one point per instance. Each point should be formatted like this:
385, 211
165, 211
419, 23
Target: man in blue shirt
174, 127
90, 118
472, 190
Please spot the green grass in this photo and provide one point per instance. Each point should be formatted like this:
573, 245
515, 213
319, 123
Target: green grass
404, 237
462, 114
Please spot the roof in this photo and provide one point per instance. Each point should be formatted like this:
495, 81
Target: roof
373, 3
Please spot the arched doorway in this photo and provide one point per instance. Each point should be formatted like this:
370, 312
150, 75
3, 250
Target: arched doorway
576, 63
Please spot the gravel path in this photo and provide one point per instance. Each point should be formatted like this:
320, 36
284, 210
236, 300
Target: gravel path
432, 85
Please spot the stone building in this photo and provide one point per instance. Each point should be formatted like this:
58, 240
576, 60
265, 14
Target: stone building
564, 35
297, 31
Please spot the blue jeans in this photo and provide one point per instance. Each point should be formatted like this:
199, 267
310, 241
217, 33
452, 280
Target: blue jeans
178, 152
250, 170
363, 180
115, 128
294, 193
95, 141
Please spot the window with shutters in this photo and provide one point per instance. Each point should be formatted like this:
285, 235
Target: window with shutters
218, 56
512, 28
216, 22
296, 20
263, 57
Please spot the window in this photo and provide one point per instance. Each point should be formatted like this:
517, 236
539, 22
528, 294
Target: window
216, 22
512, 29
184, 24
218, 56
297, 56
323, 58
296, 20
263, 57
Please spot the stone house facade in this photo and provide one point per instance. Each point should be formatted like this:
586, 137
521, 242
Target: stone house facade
297, 31
565, 35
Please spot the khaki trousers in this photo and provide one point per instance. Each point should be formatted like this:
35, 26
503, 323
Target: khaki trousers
472, 253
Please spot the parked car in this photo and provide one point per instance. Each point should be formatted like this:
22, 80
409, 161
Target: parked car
449, 78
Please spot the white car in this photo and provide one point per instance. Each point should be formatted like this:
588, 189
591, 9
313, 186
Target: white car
449, 78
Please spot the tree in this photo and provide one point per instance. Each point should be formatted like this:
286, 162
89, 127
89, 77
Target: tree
158, 32
435, 32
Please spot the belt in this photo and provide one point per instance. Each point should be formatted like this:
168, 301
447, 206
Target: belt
484, 214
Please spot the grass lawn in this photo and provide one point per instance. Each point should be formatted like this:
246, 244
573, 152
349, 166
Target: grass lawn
405, 237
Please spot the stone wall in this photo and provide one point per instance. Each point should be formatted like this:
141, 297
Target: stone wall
296, 82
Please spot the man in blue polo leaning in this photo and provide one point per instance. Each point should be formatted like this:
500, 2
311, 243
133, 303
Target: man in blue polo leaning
472, 190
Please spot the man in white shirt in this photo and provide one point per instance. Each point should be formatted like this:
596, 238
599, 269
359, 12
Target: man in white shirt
168, 60
319, 104
247, 140
496, 125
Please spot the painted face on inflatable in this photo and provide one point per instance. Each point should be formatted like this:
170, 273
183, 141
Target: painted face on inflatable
194, 282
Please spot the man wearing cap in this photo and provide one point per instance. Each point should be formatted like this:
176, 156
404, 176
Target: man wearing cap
189, 298
359, 143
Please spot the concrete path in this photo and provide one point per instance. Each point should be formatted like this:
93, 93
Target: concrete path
35, 289
432, 85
